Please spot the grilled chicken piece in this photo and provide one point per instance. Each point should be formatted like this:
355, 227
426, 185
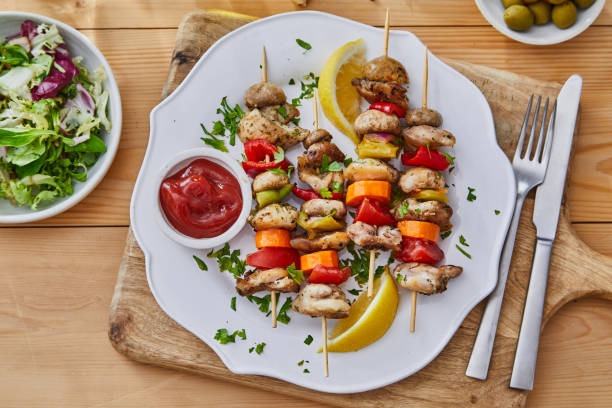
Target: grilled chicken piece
284, 115
385, 69
317, 181
430, 211
371, 237
264, 94
274, 216
424, 278
423, 116
318, 299
269, 181
421, 178
423, 135
256, 125
315, 152
269, 279
336, 240
370, 169
377, 91
373, 121
320, 207
318, 135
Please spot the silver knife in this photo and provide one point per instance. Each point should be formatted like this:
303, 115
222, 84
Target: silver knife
546, 217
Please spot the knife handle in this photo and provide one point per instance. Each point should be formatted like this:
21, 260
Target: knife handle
526, 355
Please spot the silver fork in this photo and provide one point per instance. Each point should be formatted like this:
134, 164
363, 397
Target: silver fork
529, 173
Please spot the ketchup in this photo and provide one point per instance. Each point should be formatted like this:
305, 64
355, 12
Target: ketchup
202, 200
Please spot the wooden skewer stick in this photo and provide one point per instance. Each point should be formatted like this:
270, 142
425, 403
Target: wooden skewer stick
324, 329
273, 298
425, 77
386, 43
413, 311
315, 109
371, 273
264, 65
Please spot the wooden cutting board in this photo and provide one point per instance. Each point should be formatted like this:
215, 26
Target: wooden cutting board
143, 332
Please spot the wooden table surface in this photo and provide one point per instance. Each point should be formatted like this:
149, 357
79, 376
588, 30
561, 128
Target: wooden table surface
57, 276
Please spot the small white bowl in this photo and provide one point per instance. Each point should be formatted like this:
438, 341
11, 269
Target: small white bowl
493, 11
182, 160
78, 45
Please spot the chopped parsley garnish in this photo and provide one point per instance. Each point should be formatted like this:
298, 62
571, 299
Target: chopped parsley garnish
292, 81
337, 186
280, 171
360, 264
229, 261
307, 87
398, 278
450, 159
428, 151
296, 274
397, 195
279, 155
282, 313
348, 161
417, 210
326, 166
263, 302
228, 126
463, 251
497, 212
303, 44
296, 121
352, 214
403, 209
200, 263
471, 196
445, 234
301, 363
307, 371
308, 340
354, 292
450, 171
233, 304
282, 111
258, 348
463, 241
325, 193
224, 337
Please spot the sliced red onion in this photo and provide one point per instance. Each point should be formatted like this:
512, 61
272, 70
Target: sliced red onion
80, 139
379, 137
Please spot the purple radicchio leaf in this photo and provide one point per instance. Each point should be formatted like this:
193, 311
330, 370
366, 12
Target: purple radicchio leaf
28, 29
56, 80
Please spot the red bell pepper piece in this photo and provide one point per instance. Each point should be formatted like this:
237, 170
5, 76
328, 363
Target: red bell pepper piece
260, 157
373, 213
425, 157
419, 250
329, 275
389, 108
306, 195
268, 258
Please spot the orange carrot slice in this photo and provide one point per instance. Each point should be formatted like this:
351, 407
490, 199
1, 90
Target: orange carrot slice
325, 258
419, 229
373, 189
275, 237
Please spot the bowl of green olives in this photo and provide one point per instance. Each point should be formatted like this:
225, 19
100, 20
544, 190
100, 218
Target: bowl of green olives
541, 22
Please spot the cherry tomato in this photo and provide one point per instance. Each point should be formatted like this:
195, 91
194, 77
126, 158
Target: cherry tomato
268, 258
419, 250
389, 108
373, 213
329, 275
425, 157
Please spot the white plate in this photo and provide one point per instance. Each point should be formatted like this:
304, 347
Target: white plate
200, 301
77, 44
493, 11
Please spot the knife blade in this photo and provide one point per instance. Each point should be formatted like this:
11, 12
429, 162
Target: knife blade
549, 197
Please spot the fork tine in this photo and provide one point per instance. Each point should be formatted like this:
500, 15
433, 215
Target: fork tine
534, 126
542, 133
549, 135
519, 146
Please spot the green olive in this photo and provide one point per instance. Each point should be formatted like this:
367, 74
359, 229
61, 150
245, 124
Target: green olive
508, 3
541, 11
564, 15
556, 1
584, 3
518, 18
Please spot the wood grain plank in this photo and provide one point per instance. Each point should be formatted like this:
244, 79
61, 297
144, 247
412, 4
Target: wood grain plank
54, 310
156, 13
141, 79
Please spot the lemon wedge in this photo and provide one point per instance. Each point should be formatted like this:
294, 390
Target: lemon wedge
339, 99
369, 318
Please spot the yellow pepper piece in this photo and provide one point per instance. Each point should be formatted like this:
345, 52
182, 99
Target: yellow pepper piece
376, 150
432, 195
327, 223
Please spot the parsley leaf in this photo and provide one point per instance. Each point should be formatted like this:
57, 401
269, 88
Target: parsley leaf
308, 340
228, 126
325, 193
282, 111
303, 44
307, 371
229, 261
337, 186
403, 209
301, 363
292, 81
497, 212
450, 171
282, 313
445, 234
327, 167
200, 263
296, 121
463, 241
296, 274
307, 89
399, 278
354, 292
279, 155
224, 337
360, 264
233, 304
258, 348
463, 251
450, 159
263, 302
471, 196
348, 161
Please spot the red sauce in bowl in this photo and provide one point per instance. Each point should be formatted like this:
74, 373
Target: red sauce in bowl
202, 200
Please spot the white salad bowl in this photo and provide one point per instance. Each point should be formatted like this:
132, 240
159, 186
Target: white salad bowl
493, 11
199, 300
179, 161
78, 45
